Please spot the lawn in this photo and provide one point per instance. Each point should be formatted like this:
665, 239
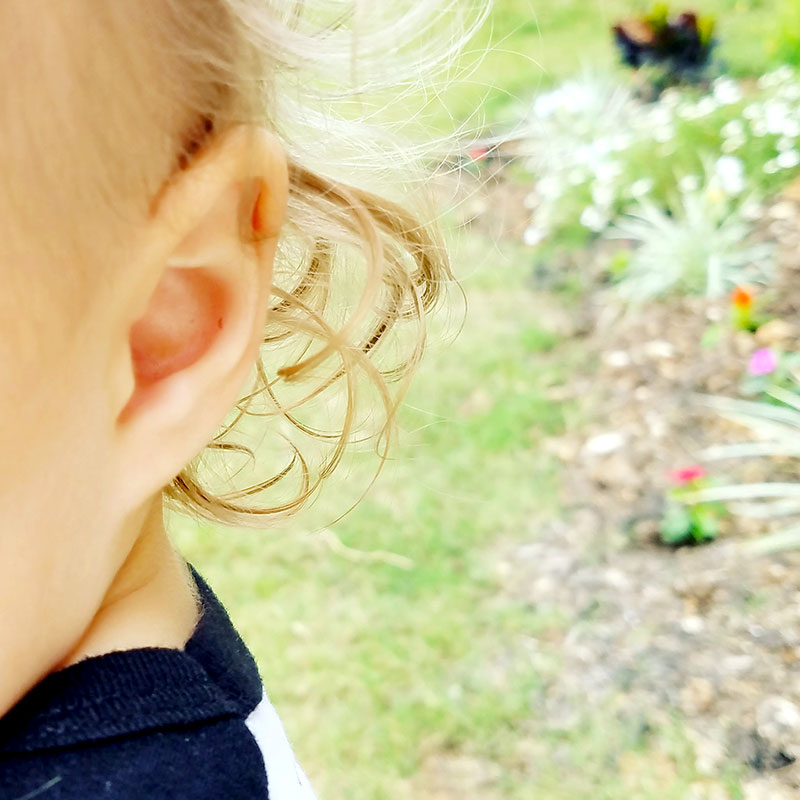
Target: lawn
376, 665
398, 673
531, 44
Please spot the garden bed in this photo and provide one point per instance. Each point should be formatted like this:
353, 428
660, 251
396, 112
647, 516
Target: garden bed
709, 632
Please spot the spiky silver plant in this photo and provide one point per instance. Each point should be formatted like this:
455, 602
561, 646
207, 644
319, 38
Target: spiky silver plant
775, 431
700, 244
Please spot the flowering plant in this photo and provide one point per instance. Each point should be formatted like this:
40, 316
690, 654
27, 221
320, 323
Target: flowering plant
595, 152
769, 369
744, 309
683, 476
774, 424
685, 523
763, 361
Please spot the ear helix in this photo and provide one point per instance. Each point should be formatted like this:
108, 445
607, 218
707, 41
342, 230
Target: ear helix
255, 216
258, 218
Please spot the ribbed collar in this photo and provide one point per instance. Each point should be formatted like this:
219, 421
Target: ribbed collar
130, 691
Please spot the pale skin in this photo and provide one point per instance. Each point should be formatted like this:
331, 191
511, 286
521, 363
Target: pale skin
102, 411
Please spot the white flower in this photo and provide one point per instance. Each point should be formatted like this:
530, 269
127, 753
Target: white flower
607, 170
766, 81
660, 114
707, 105
687, 111
790, 92
786, 143
604, 145
586, 153
777, 117
603, 195
788, 160
641, 187
726, 91
549, 186
561, 99
575, 177
733, 129
753, 111
622, 141
594, 219
689, 183
533, 235
775, 78
729, 171
670, 98
791, 128
771, 167
732, 145
664, 133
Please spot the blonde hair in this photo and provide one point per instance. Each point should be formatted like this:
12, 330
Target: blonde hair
309, 70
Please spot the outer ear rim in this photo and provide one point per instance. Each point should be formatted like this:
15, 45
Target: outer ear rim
236, 156
239, 152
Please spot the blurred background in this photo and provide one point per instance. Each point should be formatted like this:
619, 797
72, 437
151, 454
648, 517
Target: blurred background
578, 576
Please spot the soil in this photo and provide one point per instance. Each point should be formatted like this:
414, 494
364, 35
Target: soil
711, 632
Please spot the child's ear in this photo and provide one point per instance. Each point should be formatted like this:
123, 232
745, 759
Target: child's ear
198, 314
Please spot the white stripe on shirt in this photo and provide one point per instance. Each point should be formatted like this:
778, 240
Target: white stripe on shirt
285, 778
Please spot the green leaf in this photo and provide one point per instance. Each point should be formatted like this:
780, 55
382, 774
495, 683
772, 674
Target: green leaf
676, 526
705, 523
754, 385
619, 264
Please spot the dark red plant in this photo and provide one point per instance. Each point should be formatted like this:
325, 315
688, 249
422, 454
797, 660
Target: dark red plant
682, 46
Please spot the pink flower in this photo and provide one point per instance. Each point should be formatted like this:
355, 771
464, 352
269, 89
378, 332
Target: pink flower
479, 153
687, 474
763, 362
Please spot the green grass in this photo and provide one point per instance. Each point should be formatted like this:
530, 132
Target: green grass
529, 45
371, 664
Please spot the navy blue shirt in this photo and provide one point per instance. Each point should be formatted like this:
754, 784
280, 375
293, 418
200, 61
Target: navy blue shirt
153, 723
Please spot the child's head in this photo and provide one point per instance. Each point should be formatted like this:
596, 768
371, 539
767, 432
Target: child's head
165, 209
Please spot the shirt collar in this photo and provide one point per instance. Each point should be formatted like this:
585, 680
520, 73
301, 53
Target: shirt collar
130, 691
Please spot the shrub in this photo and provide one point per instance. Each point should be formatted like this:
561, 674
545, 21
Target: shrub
677, 49
695, 523
597, 153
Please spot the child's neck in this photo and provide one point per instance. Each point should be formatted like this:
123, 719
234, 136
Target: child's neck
151, 601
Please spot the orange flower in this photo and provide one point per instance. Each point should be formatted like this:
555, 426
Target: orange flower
742, 298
